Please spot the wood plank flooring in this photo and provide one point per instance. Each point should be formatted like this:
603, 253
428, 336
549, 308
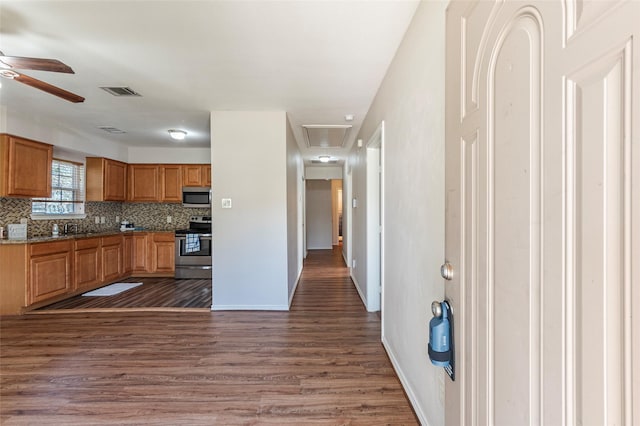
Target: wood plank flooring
153, 293
320, 363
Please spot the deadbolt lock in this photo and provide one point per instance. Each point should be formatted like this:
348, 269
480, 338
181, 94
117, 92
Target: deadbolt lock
446, 270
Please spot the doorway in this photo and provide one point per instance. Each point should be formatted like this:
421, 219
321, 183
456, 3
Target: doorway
374, 220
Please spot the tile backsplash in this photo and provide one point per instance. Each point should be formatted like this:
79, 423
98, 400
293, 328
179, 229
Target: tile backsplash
148, 215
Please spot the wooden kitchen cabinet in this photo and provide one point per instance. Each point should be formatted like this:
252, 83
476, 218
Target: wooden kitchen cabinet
196, 175
170, 183
144, 183
111, 257
106, 179
207, 174
163, 253
87, 263
140, 257
25, 167
50, 270
127, 254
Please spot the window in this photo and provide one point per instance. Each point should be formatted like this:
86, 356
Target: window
67, 192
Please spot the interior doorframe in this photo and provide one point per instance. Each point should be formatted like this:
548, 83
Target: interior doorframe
375, 213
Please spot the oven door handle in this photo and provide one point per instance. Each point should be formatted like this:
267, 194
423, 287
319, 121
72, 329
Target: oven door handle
194, 267
203, 237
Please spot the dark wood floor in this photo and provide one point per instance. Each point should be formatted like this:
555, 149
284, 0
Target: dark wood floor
153, 293
320, 363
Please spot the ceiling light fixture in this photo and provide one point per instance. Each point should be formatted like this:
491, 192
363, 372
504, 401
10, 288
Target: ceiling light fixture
324, 158
177, 134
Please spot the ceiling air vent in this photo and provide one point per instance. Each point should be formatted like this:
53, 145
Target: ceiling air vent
113, 130
326, 135
121, 91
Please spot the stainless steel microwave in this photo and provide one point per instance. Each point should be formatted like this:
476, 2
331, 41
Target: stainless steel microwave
196, 196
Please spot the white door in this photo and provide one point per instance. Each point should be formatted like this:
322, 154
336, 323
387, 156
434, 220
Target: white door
543, 212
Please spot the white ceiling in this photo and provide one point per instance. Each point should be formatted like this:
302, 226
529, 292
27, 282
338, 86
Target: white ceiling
316, 60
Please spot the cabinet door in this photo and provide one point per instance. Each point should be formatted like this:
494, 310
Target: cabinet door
171, 183
143, 182
192, 175
163, 252
111, 258
127, 255
115, 183
50, 271
87, 262
140, 253
26, 167
206, 171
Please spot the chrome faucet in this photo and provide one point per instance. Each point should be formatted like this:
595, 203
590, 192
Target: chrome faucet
70, 228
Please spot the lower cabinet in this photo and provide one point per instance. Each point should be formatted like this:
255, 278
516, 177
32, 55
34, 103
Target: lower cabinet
163, 253
154, 254
33, 275
127, 255
140, 253
88, 263
50, 270
111, 258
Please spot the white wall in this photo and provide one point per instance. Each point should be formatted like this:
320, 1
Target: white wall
294, 212
45, 130
74, 145
411, 103
319, 214
169, 155
250, 268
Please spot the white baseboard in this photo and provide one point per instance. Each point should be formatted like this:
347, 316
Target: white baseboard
357, 285
249, 308
295, 287
405, 384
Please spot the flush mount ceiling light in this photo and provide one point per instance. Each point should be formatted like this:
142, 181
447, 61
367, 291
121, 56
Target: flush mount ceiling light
324, 158
177, 134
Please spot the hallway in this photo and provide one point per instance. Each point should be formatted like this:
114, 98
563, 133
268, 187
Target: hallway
320, 363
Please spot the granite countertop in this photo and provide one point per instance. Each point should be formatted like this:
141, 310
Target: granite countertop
62, 237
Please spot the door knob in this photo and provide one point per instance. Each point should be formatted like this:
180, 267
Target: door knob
446, 271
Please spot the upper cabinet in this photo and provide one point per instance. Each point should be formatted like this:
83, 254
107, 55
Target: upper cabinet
106, 179
196, 175
25, 167
171, 183
144, 183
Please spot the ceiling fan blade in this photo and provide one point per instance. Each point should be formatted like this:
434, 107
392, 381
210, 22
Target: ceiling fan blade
49, 88
39, 64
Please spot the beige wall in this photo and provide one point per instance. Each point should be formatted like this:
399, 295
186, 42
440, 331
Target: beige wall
250, 269
411, 103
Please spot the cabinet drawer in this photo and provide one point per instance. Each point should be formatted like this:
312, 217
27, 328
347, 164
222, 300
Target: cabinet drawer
112, 240
87, 243
41, 249
164, 237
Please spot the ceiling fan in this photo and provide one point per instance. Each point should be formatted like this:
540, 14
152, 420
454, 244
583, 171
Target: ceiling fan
8, 63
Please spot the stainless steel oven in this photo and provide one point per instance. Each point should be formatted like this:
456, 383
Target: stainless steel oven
193, 249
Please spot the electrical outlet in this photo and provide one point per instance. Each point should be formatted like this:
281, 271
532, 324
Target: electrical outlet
23, 221
168, 219
117, 219
353, 263
102, 219
96, 219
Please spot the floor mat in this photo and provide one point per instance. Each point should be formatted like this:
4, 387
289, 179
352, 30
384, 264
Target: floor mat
112, 289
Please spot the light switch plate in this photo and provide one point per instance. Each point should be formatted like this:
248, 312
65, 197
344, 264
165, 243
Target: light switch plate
226, 203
